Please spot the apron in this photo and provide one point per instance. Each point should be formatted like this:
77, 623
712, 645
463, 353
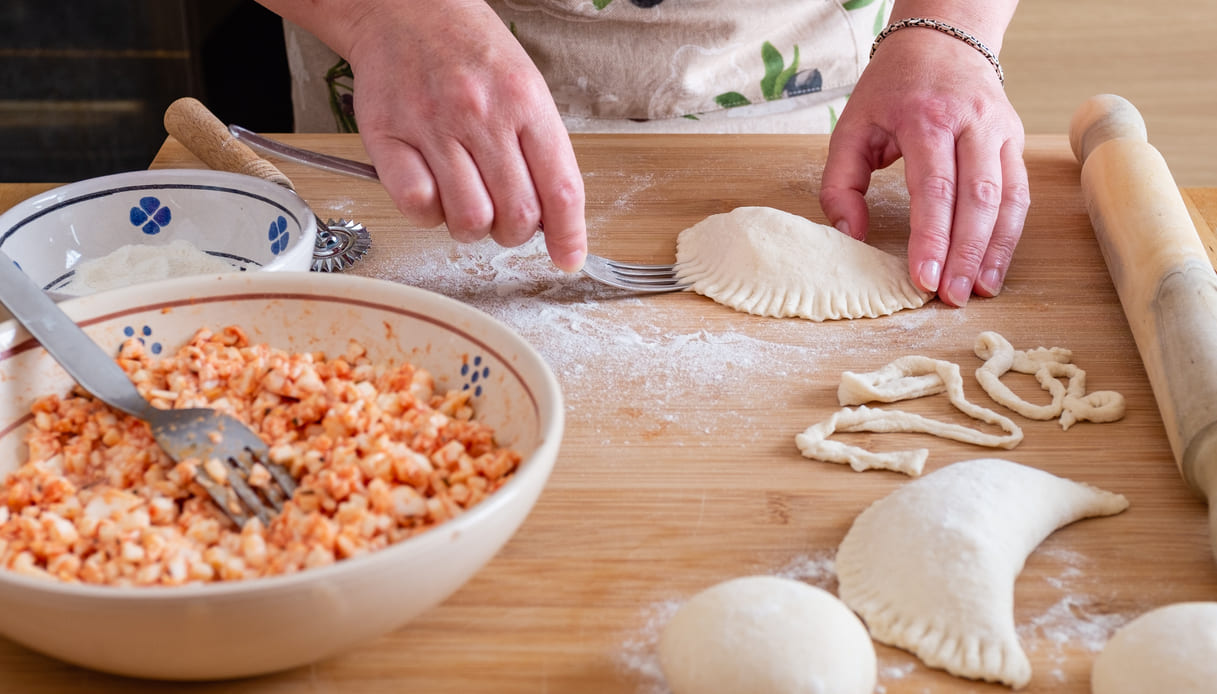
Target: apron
662, 65
661, 59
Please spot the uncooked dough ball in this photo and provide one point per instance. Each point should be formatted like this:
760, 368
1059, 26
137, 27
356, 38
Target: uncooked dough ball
766, 635
1170, 649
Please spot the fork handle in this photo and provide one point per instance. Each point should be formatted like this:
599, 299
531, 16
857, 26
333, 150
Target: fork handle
317, 160
75, 351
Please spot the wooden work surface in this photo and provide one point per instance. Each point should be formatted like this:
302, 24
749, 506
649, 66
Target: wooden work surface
679, 469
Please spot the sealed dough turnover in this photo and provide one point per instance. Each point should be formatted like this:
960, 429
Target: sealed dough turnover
931, 567
772, 263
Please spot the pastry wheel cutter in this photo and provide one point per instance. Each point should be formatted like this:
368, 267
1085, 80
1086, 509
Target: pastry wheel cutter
339, 243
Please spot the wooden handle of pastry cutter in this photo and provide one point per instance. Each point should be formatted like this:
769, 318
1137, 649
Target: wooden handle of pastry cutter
197, 128
1163, 275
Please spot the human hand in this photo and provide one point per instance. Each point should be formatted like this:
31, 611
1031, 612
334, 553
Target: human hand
460, 124
935, 101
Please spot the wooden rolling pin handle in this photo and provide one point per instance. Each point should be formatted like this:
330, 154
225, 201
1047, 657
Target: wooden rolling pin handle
197, 128
1163, 275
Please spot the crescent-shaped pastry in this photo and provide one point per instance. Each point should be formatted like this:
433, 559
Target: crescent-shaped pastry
931, 567
772, 263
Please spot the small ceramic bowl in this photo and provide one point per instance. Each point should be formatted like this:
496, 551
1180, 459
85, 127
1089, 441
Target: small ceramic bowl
250, 223
249, 627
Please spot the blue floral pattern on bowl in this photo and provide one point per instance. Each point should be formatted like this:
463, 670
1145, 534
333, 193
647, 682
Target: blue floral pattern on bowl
150, 216
279, 235
474, 374
143, 332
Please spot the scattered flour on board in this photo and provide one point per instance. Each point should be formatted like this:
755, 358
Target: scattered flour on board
1074, 621
597, 339
1077, 620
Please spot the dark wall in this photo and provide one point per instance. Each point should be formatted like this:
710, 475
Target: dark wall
84, 85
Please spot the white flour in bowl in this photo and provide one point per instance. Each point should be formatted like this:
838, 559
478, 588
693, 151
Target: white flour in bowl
141, 263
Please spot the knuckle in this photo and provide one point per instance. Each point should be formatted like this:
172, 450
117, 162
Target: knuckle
467, 93
470, 223
419, 205
984, 194
416, 199
518, 220
1017, 197
565, 194
938, 188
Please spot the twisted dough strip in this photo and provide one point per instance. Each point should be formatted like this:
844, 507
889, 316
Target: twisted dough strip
1069, 402
903, 379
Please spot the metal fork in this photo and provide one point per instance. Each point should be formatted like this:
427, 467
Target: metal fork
198, 433
633, 276
638, 278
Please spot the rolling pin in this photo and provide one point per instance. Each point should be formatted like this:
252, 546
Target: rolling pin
1164, 278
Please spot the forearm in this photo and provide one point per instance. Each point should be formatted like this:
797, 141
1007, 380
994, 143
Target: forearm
335, 22
987, 20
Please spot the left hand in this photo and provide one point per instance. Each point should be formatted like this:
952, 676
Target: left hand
935, 101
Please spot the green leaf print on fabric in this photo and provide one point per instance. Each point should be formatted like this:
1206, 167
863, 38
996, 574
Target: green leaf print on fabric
731, 100
880, 18
340, 84
776, 76
601, 4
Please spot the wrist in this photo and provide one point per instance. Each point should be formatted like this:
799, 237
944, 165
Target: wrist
917, 23
337, 23
986, 21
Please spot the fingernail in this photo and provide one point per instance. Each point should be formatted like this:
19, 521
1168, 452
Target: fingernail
929, 275
843, 227
571, 262
990, 281
959, 291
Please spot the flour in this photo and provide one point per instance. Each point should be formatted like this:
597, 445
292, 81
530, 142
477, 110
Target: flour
599, 340
137, 263
1075, 621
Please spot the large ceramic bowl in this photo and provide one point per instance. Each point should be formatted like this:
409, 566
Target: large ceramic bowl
223, 630
250, 223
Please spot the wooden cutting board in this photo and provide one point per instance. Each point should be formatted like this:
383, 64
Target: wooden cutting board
679, 469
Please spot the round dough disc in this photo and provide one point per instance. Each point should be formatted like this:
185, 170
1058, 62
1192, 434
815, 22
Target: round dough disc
764, 634
1170, 649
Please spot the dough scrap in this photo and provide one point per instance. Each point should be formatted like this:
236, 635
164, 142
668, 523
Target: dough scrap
903, 379
931, 567
1069, 402
767, 262
764, 634
1169, 649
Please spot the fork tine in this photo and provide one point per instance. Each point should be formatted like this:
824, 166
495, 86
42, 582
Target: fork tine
617, 264
227, 502
281, 486
249, 498
237, 498
637, 277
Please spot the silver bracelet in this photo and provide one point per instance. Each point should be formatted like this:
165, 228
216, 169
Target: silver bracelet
946, 29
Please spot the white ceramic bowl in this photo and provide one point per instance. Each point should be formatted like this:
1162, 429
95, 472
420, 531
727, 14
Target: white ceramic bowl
225, 630
251, 223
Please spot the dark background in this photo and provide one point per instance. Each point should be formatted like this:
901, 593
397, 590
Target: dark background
84, 85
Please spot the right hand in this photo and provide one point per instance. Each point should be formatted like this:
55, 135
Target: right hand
461, 126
